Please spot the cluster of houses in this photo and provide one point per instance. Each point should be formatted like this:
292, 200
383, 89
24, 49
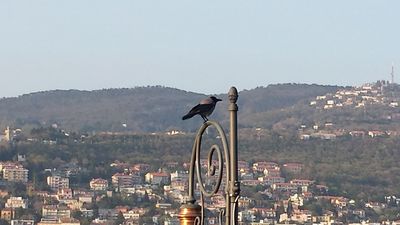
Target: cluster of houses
287, 196
324, 134
379, 93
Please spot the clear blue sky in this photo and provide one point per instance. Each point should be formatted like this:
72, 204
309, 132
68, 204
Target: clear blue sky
200, 46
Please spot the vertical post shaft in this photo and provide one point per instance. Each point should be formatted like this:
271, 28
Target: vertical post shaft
234, 189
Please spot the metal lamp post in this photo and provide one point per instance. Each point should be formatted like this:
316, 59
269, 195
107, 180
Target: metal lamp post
191, 212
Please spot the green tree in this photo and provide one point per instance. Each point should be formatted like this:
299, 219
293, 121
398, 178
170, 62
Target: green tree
76, 214
120, 219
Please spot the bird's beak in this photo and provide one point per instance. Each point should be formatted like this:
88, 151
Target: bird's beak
219, 100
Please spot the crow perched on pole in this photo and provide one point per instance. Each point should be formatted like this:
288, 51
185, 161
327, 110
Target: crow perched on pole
204, 108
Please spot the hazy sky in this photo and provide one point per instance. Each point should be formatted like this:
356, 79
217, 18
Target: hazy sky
200, 46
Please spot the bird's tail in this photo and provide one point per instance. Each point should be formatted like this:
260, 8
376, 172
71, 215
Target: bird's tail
187, 116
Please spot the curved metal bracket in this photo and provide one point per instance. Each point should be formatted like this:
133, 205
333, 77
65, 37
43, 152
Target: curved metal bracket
195, 166
211, 168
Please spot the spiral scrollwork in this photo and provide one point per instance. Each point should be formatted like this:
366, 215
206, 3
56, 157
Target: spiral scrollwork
213, 150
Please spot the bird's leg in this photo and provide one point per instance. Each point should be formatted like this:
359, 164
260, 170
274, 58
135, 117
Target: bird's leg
204, 118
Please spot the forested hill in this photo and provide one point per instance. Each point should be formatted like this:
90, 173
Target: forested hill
278, 96
142, 109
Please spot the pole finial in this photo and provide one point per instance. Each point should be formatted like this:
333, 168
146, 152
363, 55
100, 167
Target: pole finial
233, 95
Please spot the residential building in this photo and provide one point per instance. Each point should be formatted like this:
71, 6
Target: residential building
269, 180
61, 221
375, 205
325, 218
179, 175
301, 216
98, 184
21, 158
376, 133
157, 178
7, 214
105, 214
57, 182
16, 202
86, 198
272, 172
48, 221
265, 212
261, 166
5, 164
293, 167
22, 222
244, 202
246, 216
73, 204
284, 187
55, 212
357, 133
181, 185
64, 193
88, 213
8, 134
15, 173
121, 180
251, 182
300, 182
131, 215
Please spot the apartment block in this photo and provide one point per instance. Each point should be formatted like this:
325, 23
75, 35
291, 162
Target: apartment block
15, 173
57, 182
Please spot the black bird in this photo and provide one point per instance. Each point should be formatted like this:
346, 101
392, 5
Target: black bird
204, 108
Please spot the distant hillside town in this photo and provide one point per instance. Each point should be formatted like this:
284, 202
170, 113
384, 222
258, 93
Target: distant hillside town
372, 110
380, 93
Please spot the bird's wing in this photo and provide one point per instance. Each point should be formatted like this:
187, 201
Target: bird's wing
195, 110
200, 108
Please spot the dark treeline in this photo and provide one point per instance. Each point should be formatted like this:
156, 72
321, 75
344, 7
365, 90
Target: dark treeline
359, 168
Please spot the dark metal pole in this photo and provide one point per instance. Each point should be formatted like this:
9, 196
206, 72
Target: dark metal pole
234, 181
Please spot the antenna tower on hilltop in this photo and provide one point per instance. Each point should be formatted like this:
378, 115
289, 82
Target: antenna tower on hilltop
392, 74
